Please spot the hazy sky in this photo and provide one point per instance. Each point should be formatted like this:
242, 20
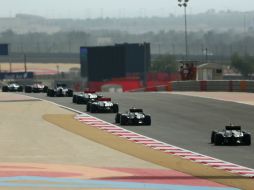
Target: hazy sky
115, 8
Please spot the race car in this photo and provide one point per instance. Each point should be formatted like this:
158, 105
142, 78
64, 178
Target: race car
12, 87
85, 97
231, 135
102, 105
133, 117
61, 90
36, 88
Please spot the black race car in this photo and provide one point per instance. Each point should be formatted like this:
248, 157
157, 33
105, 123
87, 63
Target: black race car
61, 90
85, 97
231, 135
12, 87
102, 105
36, 88
133, 117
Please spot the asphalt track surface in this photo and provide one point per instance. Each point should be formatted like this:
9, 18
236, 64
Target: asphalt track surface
182, 121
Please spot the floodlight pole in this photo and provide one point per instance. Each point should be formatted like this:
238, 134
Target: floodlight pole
10, 64
25, 66
186, 34
184, 4
9, 58
145, 65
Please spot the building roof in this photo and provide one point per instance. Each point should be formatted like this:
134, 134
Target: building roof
210, 66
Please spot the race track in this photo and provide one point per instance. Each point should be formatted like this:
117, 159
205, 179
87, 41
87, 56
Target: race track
182, 121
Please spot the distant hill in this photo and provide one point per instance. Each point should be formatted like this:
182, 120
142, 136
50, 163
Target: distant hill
210, 20
217, 34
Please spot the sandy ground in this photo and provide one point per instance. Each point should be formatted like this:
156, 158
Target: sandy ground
26, 137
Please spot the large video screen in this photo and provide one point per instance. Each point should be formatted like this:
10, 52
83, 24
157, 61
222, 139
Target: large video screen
103, 63
4, 50
84, 61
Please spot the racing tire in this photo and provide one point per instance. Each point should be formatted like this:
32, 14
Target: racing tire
20, 89
5, 89
78, 100
28, 89
117, 118
88, 106
74, 99
247, 139
213, 136
81, 100
45, 89
147, 120
69, 93
35, 90
115, 108
218, 139
59, 93
51, 93
93, 108
85, 101
123, 120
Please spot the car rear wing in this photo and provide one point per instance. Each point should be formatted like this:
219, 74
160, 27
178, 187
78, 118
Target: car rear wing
104, 99
90, 91
233, 127
61, 85
136, 110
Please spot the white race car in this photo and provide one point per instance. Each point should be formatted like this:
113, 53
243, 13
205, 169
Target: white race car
37, 87
61, 90
133, 117
85, 97
231, 135
12, 87
102, 105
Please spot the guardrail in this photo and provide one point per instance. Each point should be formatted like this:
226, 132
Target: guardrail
212, 85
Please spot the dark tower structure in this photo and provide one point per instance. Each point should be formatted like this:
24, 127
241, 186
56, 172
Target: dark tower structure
106, 62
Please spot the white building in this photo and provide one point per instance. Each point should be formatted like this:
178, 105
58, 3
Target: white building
209, 71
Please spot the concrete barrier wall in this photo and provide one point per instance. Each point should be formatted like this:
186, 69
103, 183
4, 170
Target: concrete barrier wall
186, 86
213, 85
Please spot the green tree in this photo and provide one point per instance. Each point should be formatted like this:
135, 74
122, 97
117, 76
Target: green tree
245, 64
164, 63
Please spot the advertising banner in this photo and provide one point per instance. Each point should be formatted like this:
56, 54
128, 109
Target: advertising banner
17, 75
